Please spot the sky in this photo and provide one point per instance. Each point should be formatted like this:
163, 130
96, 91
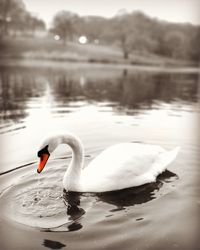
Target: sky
170, 10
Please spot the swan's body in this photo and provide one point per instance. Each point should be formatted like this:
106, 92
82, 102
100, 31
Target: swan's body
120, 166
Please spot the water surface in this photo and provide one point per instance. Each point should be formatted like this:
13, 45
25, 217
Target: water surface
104, 106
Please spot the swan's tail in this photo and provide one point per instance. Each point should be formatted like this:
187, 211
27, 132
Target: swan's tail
164, 160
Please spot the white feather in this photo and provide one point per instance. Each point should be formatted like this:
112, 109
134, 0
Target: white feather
120, 166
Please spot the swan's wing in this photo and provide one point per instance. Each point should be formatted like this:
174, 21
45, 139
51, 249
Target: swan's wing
120, 166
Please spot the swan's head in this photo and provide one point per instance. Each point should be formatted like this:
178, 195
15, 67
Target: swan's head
47, 147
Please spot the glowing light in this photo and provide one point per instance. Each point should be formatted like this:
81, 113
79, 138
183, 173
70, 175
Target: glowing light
57, 37
8, 19
82, 39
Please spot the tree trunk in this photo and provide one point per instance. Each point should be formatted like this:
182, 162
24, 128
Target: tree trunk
126, 54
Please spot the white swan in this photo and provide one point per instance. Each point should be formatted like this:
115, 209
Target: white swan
118, 167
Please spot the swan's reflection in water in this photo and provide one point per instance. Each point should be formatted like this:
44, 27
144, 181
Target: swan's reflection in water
75, 212
137, 195
120, 199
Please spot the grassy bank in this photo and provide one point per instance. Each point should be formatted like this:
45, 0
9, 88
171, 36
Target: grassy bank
49, 49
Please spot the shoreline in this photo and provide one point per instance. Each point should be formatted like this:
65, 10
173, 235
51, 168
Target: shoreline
32, 62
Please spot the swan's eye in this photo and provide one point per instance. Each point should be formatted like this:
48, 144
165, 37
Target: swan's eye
43, 151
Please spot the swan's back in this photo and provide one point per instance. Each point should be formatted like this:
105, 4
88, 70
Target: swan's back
125, 165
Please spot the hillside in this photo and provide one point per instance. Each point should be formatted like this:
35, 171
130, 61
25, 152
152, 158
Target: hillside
49, 49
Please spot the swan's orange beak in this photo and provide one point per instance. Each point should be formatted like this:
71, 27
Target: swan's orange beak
43, 160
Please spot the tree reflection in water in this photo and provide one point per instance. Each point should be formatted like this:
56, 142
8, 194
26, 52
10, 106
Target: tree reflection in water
131, 89
134, 90
16, 88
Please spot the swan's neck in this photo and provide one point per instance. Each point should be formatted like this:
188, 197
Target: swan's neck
71, 180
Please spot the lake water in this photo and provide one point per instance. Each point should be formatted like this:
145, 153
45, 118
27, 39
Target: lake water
103, 105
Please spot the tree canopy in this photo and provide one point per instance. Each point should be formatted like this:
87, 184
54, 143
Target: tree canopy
132, 32
65, 25
14, 17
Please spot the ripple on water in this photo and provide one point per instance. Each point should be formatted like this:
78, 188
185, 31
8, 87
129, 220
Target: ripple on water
35, 205
39, 201
36, 200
